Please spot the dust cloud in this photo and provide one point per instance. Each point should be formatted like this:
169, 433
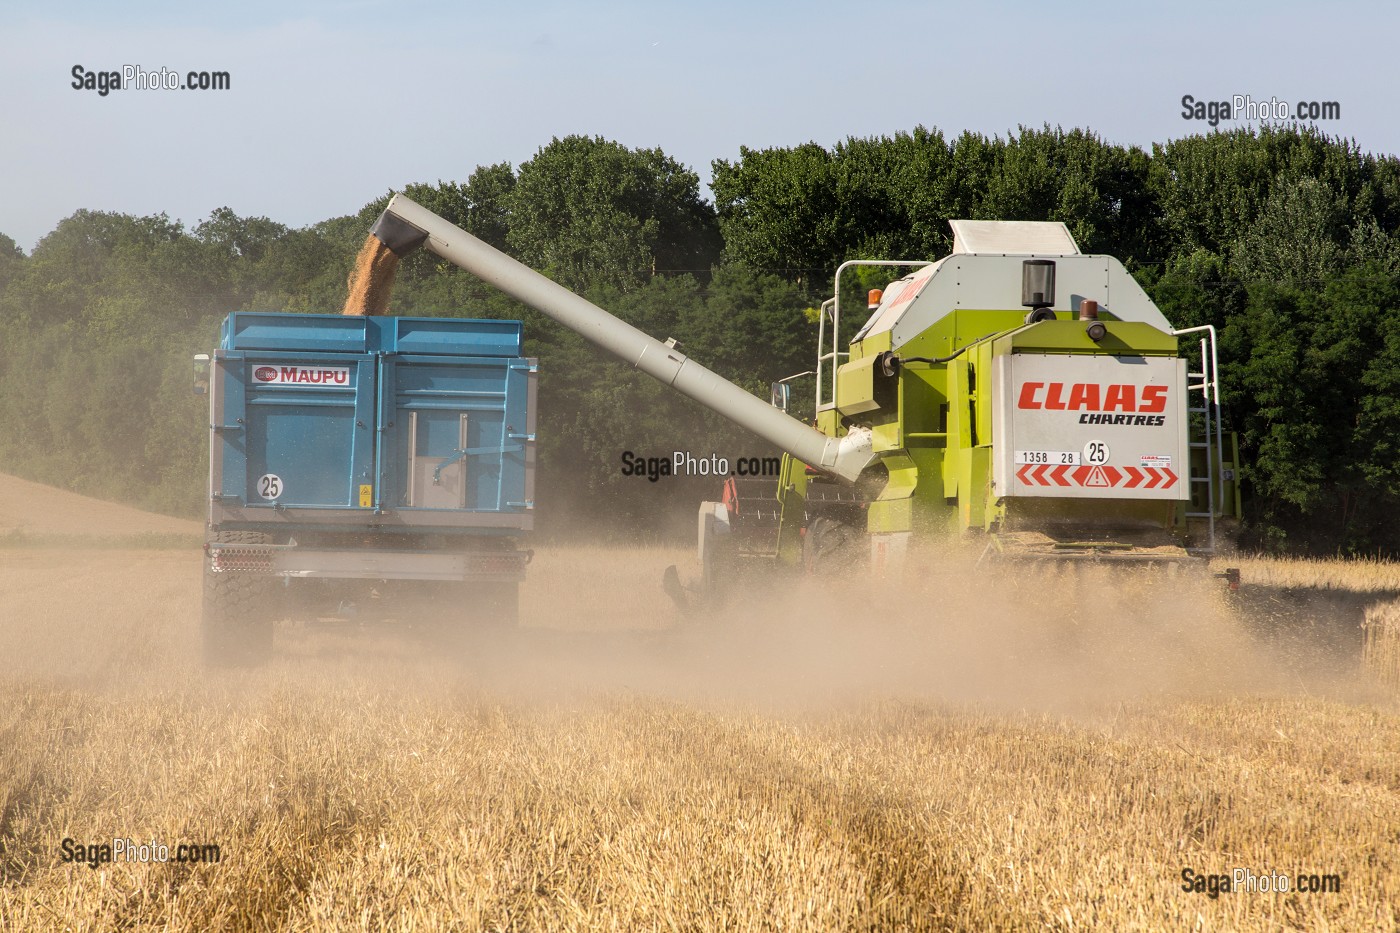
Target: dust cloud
1058, 639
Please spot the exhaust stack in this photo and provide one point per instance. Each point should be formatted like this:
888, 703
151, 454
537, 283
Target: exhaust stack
405, 224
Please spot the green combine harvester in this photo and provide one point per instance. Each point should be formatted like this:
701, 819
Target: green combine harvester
1016, 389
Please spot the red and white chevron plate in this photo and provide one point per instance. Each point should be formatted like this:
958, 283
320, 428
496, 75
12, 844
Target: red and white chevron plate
1096, 477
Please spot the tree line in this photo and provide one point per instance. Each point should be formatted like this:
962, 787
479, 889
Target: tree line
1283, 238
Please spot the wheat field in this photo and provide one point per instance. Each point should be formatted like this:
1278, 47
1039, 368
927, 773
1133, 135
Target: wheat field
1043, 752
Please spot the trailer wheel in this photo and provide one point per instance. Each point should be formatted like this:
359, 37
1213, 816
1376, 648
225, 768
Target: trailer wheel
237, 617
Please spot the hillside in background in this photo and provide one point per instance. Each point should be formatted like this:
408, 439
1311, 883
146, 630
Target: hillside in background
33, 510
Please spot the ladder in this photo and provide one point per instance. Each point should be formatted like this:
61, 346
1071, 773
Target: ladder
1205, 472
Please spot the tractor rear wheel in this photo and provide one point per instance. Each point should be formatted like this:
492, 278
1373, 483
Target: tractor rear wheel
238, 609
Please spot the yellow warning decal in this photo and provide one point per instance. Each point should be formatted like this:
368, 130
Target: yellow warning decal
366, 496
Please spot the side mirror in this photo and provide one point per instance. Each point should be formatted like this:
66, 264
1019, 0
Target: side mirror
201, 374
782, 393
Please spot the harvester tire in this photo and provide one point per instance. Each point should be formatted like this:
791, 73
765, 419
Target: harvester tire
832, 546
237, 614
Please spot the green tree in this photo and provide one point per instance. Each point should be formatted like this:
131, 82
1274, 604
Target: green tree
753, 330
1313, 365
1299, 236
11, 260
800, 212
779, 211
590, 212
488, 192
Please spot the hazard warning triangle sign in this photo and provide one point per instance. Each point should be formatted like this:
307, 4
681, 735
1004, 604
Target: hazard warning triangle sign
1097, 478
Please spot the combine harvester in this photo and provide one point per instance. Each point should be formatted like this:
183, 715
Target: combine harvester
1016, 389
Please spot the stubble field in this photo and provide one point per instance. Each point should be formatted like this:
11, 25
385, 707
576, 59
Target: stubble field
962, 752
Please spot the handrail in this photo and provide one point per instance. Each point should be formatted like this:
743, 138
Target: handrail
835, 303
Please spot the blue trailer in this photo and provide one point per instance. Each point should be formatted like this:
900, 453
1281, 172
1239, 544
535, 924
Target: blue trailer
360, 464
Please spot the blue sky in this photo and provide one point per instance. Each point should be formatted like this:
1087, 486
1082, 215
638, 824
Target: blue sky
334, 103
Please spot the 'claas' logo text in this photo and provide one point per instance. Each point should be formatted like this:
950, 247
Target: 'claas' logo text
1089, 396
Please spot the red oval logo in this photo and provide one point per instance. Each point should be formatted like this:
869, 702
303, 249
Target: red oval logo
265, 374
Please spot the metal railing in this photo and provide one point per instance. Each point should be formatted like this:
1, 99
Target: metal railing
1214, 442
832, 308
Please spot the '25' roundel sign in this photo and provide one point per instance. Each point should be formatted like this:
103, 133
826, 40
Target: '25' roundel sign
270, 486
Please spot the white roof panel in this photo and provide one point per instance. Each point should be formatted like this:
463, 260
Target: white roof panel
1015, 237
